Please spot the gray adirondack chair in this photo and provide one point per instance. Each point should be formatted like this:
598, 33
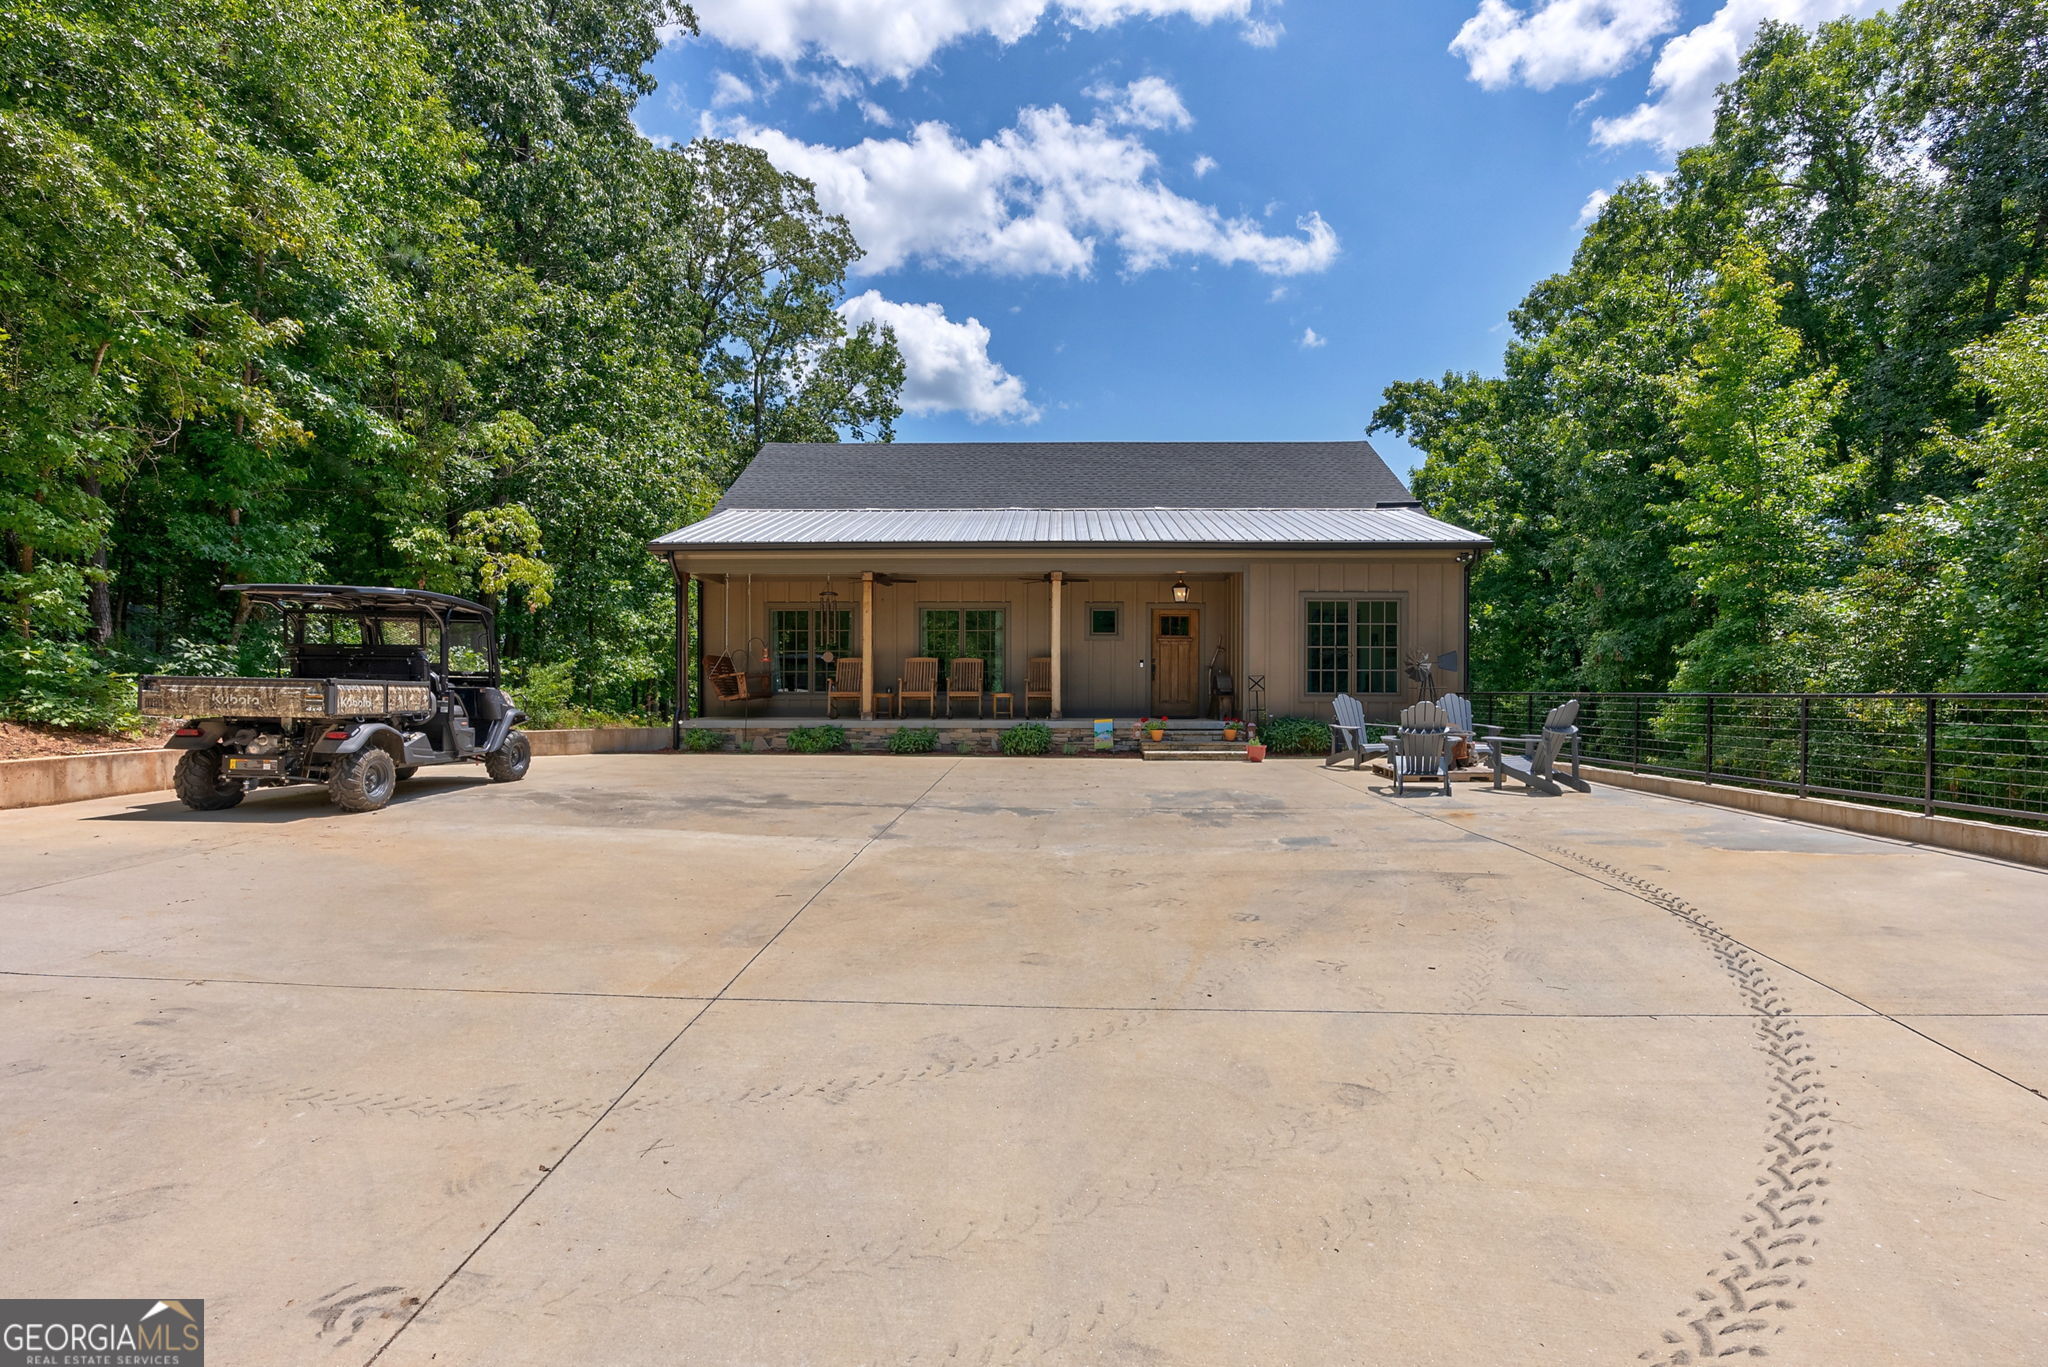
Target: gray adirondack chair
1421, 746
1459, 710
1536, 766
1347, 732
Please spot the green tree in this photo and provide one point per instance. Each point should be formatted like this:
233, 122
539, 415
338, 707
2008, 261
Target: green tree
1751, 469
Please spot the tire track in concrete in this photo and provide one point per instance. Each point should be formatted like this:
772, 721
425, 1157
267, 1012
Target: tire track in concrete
1745, 1299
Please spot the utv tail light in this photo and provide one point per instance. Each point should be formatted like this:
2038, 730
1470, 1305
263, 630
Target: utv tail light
337, 735
188, 731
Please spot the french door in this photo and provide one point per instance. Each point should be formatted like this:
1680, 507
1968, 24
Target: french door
806, 642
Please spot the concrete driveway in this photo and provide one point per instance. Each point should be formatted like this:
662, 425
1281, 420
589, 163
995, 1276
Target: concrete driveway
737, 1059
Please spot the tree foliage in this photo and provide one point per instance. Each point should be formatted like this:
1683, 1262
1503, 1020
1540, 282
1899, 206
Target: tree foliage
358, 291
1770, 427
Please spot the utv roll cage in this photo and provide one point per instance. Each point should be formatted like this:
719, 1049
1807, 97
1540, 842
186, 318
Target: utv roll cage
383, 613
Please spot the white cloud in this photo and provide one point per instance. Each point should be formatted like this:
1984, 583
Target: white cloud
728, 89
1148, 102
877, 115
1263, 32
1590, 210
835, 87
1204, 164
1685, 83
897, 37
1557, 41
946, 365
1037, 198
1311, 339
1279, 292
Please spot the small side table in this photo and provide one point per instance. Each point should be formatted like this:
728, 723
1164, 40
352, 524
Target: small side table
885, 703
999, 702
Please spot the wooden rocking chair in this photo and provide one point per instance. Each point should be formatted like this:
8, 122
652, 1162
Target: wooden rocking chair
846, 681
920, 680
1038, 683
963, 679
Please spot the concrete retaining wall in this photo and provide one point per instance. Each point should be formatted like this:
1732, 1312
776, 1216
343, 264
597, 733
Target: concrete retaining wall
1944, 832
45, 779
48, 779
601, 740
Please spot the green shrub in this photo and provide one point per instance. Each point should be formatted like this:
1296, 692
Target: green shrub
914, 740
702, 740
1295, 736
816, 740
1027, 738
963, 746
65, 684
543, 692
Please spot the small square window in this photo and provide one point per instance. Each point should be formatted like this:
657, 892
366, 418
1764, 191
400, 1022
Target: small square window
1105, 620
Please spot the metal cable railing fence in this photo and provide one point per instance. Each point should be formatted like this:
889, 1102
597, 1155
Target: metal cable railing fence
1966, 754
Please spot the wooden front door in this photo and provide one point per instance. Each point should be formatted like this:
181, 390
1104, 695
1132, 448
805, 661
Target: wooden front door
1176, 670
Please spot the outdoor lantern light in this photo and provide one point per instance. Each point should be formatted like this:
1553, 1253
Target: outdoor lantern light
1180, 590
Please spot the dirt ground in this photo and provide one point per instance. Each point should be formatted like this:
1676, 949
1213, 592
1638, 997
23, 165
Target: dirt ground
657, 1059
26, 740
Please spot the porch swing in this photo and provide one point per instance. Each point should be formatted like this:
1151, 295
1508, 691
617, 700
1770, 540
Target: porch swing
745, 676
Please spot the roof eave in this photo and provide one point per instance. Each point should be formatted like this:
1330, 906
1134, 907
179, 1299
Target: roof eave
1441, 544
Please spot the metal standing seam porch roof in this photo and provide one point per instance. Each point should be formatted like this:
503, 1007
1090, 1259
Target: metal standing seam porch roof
1184, 495
789, 528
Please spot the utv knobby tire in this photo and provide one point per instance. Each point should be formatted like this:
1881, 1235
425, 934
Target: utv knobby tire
200, 782
406, 771
364, 781
510, 761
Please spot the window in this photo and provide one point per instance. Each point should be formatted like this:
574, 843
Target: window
802, 638
1105, 619
1354, 645
976, 633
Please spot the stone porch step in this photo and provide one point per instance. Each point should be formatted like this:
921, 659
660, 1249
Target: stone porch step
1192, 750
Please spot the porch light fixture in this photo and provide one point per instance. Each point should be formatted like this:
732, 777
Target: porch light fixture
1180, 590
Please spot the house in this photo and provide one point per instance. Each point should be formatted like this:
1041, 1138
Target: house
1106, 579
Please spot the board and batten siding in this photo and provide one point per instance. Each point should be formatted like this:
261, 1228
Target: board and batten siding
1256, 613
1432, 595
1111, 676
1104, 677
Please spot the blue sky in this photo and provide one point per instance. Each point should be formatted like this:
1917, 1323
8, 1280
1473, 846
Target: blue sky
1186, 219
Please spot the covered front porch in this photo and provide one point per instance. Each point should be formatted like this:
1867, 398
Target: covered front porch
908, 640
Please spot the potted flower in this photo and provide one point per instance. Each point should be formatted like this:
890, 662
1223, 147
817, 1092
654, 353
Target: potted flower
1255, 751
1153, 728
1231, 726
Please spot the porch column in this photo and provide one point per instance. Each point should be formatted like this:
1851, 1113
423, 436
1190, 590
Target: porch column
867, 645
682, 706
1058, 583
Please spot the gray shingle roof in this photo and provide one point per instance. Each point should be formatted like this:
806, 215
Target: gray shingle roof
757, 528
1066, 474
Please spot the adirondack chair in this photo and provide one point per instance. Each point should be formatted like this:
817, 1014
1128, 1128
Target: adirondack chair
1038, 682
846, 672
1347, 732
1421, 745
963, 679
920, 680
1536, 766
1459, 710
